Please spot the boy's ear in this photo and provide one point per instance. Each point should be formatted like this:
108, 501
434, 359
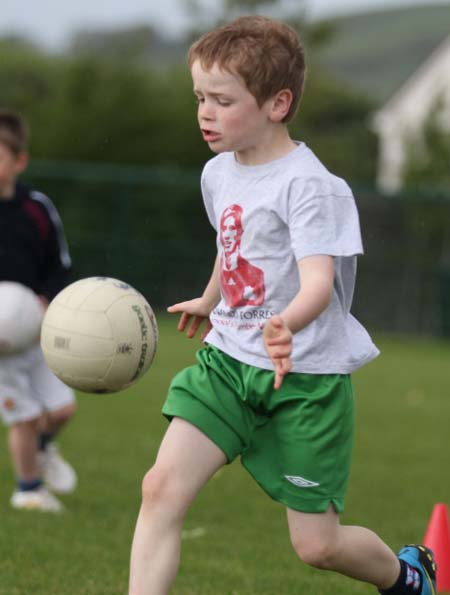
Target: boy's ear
281, 103
21, 162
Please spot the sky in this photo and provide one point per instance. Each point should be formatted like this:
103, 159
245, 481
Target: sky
51, 22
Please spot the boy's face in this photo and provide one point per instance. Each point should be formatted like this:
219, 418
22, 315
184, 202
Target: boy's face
229, 234
11, 165
228, 114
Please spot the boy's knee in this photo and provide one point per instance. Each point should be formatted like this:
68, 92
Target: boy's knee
62, 416
158, 488
315, 552
29, 425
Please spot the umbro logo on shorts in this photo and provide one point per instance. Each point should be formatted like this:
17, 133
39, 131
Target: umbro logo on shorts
301, 482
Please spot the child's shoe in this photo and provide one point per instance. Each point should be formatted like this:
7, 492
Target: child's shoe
421, 558
40, 499
58, 475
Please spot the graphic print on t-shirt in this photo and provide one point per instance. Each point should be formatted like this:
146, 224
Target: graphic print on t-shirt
242, 283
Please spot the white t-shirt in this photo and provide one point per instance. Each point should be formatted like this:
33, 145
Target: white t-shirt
267, 218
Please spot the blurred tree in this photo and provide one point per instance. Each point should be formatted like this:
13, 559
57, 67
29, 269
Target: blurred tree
29, 82
228, 9
121, 44
332, 120
293, 12
17, 43
284, 8
140, 43
95, 108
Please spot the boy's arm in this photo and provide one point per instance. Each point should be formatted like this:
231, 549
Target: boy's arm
316, 280
56, 272
211, 295
200, 308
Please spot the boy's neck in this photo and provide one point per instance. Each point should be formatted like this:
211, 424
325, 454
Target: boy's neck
275, 147
8, 191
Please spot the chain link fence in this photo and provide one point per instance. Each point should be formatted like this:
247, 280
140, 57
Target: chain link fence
147, 226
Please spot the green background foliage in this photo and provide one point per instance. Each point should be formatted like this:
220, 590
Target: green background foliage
98, 109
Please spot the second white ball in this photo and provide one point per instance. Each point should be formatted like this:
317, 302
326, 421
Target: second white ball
99, 335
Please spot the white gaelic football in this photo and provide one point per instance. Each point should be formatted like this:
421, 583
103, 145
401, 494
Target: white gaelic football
21, 313
99, 335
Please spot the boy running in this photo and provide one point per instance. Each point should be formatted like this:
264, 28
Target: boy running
33, 402
273, 383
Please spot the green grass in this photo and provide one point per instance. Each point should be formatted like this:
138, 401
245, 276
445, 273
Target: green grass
236, 538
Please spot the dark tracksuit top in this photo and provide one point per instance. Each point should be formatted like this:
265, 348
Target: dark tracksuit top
33, 248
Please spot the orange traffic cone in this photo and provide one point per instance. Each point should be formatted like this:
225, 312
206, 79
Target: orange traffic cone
437, 538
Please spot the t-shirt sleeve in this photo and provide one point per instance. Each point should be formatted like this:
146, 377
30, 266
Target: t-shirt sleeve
323, 219
56, 265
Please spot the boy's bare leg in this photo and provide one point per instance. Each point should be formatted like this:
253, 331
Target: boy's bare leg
186, 460
51, 422
321, 541
23, 446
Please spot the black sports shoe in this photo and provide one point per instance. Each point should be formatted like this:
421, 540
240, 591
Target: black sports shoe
421, 558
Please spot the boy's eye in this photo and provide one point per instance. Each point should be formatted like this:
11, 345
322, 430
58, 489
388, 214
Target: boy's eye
221, 102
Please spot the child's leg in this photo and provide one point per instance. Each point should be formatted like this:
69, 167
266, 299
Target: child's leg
58, 474
23, 446
187, 458
321, 541
53, 421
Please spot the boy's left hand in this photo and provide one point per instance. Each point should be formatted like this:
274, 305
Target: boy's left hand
278, 343
44, 301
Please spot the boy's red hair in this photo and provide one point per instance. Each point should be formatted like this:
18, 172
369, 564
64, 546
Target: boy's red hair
267, 54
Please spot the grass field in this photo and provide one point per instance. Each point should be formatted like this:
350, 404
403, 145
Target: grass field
235, 540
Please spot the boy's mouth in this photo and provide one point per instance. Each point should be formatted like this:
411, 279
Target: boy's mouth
209, 135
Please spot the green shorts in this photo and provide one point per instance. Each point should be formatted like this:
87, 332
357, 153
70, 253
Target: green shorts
296, 442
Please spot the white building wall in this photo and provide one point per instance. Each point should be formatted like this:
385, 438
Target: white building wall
402, 119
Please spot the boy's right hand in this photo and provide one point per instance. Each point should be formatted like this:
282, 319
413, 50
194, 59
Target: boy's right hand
197, 311
277, 340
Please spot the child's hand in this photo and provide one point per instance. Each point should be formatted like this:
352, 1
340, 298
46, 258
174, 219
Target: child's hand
44, 301
198, 311
278, 343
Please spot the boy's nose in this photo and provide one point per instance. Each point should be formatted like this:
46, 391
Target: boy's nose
205, 111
